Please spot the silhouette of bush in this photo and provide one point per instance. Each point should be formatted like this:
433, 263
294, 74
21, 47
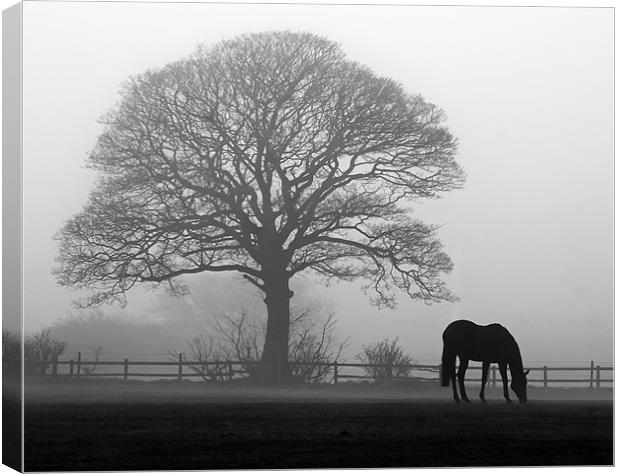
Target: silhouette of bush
313, 346
239, 337
11, 352
385, 360
40, 350
208, 358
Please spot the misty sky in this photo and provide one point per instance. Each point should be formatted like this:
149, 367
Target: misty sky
528, 92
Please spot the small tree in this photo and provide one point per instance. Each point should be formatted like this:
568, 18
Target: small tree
40, 350
207, 357
385, 360
90, 367
240, 336
314, 347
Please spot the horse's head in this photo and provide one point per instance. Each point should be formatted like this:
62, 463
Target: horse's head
519, 385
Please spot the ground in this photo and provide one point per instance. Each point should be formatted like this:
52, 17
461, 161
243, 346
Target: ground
135, 426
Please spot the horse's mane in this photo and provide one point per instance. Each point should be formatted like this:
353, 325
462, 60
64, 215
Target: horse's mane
516, 365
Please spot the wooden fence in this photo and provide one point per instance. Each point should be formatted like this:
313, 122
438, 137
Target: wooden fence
594, 376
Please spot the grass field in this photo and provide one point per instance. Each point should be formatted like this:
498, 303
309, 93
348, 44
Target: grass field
116, 426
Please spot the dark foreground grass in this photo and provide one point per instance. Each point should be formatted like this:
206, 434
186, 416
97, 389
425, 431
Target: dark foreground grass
175, 436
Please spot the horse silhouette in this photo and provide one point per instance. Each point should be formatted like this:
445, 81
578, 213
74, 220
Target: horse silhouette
486, 344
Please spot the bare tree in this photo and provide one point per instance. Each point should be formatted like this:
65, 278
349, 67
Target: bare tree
386, 360
314, 346
208, 359
89, 367
242, 335
268, 154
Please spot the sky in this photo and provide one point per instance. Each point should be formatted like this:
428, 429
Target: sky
528, 92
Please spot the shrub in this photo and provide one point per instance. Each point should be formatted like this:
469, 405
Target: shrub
11, 352
39, 352
207, 357
313, 346
385, 360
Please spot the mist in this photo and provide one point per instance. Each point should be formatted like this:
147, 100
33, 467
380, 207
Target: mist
530, 234
261, 369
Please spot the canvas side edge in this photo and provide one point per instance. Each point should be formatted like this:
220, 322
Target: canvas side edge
12, 234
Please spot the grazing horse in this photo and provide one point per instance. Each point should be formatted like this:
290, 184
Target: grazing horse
486, 344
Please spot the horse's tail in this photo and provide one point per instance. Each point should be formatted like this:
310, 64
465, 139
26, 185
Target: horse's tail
448, 362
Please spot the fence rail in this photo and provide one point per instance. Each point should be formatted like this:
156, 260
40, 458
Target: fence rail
595, 376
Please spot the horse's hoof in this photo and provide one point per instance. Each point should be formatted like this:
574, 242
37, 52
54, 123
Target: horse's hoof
467, 401
509, 402
482, 400
456, 400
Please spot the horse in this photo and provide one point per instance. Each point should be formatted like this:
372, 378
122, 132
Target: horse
486, 344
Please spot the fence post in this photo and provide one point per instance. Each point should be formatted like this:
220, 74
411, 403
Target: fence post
71, 367
180, 367
125, 369
79, 362
336, 372
494, 376
55, 366
598, 376
545, 376
230, 371
591, 374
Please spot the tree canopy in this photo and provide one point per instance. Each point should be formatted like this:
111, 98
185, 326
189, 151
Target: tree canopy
270, 150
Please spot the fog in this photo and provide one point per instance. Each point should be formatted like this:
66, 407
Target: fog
528, 92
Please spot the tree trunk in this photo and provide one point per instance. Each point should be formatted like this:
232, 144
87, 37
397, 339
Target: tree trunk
274, 369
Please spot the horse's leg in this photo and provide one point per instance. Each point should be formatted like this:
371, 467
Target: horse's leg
485, 373
453, 381
502, 371
463, 363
